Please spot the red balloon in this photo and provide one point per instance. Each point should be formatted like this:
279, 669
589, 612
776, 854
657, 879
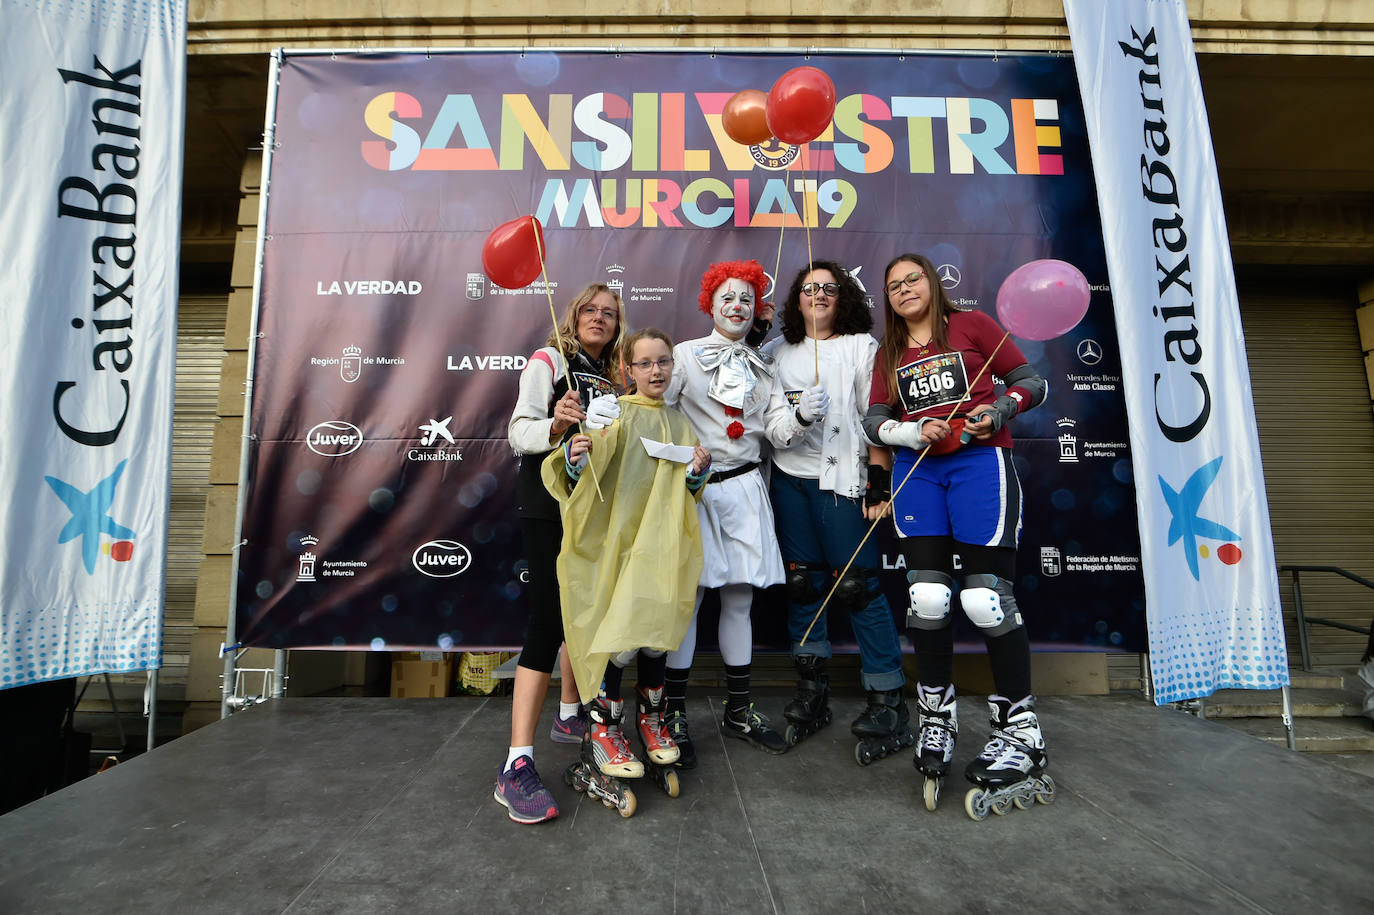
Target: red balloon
511, 255
745, 117
800, 105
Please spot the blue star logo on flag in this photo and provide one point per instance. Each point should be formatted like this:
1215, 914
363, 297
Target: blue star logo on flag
90, 515
1186, 524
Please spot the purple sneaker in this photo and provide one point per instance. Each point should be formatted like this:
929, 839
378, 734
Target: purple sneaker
524, 796
570, 729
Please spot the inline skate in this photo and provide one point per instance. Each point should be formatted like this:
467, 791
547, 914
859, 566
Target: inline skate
1010, 770
605, 759
883, 728
939, 724
809, 710
661, 754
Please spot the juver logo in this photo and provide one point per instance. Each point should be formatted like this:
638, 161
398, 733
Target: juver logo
334, 439
441, 558
1186, 525
91, 518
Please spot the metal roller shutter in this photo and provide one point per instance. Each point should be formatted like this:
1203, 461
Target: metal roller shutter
200, 354
1316, 434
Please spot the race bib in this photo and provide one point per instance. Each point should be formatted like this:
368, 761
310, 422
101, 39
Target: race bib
935, 381
591, 386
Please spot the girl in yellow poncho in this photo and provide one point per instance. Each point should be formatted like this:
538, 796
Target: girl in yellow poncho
630, 563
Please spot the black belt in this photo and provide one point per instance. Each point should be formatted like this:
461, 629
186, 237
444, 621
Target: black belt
718, 476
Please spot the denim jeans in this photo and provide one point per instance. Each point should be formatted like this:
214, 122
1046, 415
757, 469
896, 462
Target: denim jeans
820, 528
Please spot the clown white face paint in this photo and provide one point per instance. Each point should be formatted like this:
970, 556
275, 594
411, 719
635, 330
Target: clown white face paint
732, 308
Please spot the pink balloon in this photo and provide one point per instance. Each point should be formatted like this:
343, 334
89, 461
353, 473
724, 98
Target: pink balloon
1043, 299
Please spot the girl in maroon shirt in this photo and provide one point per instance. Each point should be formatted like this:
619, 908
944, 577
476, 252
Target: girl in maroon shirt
933, 391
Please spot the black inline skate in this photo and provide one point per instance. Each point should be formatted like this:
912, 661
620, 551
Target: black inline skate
1010, 770
883, 728
809, 710
605, 759
661, 754
939, 724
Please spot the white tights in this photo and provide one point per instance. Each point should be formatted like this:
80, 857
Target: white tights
736, 632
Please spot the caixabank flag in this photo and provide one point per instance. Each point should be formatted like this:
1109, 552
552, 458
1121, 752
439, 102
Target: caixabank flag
380, 507
1210, 580
90, 224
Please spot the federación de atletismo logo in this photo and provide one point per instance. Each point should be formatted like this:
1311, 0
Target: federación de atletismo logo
91, 517
1186, 524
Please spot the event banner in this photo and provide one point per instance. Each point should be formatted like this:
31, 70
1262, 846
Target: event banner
380, 501
93, 111
1210, 582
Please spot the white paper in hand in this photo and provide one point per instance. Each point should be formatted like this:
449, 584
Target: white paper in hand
681, 454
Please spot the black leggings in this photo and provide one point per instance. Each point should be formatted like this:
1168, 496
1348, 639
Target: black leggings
1008, 654
544, 633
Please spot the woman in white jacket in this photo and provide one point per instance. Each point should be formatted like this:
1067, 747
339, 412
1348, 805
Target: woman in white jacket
823, 468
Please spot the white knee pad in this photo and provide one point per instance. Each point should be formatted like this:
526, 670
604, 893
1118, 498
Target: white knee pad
930, 595
987, 601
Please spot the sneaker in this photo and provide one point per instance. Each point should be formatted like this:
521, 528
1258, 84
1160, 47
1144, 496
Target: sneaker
604, 745
676, 725
523, 795
751, 726
570, 729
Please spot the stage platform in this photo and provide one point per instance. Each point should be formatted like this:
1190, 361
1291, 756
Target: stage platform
377, 805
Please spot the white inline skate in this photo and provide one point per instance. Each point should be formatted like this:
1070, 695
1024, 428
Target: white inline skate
1010, 770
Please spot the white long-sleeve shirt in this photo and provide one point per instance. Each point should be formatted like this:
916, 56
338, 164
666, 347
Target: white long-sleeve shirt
688, 392
832, 450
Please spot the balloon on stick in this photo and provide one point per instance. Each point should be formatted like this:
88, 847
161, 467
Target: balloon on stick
1043, 299
511, 253
745, 117
800, 105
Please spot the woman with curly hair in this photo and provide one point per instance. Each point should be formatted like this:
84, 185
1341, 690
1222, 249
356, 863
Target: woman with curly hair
822, 469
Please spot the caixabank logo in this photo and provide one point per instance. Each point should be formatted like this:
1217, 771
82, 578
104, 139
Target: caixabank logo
1187, 524
91, 518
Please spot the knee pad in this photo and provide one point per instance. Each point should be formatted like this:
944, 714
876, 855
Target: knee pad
801, 582
930, 593
852, 593
988, 602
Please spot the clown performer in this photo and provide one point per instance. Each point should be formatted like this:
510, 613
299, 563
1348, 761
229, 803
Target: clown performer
724, 386
818, 487
546, 411
630, 562
963, 497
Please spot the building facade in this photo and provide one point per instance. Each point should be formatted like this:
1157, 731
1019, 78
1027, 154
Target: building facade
1288, 86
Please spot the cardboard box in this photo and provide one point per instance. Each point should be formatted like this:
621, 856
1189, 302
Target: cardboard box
421, 679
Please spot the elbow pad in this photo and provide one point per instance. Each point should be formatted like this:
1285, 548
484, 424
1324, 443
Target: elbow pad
1025, 390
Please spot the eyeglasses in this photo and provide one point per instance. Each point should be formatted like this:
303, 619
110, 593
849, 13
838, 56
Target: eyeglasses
644, 365
909, 281
812, 289
588, 311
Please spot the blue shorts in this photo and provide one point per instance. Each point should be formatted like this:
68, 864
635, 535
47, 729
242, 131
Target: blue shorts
972, 495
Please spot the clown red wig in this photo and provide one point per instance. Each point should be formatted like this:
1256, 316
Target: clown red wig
749, 271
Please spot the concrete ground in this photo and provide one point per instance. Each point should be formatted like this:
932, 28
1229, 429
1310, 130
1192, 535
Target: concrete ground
373, 805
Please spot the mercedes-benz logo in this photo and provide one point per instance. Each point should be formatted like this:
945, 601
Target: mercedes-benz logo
1089, 352
949, 275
